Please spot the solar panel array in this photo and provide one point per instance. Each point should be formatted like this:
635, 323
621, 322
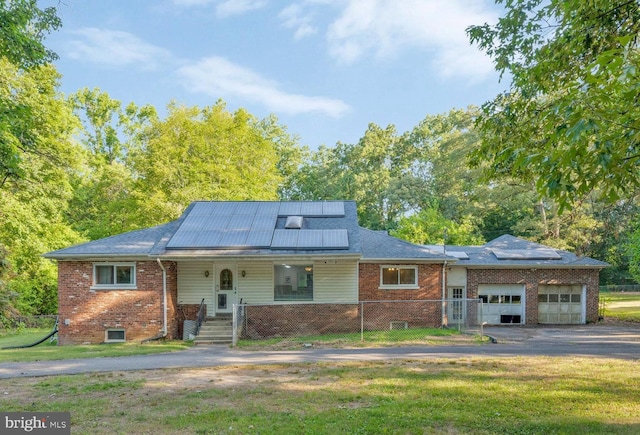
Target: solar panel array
245, 225
526, 254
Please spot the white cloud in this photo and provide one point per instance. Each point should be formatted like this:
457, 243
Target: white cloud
217, 77
432, 29
237, 7
295, 17
225, 8
115, 48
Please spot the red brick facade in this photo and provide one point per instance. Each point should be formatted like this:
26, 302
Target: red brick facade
531, 278
89, 313
429, 283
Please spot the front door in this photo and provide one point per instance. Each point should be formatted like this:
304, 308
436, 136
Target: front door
226, 288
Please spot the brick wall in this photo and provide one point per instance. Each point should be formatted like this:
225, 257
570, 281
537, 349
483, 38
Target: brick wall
532, 278
90, 312
430, 289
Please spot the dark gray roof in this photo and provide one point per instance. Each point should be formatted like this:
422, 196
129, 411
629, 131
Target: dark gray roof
334, 222
378, 245
131, 244
509, 251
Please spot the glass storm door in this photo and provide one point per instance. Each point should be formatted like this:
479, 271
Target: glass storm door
456, 312
226, 288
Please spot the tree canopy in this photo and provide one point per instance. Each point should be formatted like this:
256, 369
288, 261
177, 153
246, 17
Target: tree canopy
571, 119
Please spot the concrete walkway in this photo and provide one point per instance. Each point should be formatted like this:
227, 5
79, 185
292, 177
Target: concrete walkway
594, 341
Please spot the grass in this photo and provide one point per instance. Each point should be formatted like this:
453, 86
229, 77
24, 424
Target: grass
50, 351
517, 395
422, 336
622, 306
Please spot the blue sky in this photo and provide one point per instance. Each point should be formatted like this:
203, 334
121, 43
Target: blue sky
325, 68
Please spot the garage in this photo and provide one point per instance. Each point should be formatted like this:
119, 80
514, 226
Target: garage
561, 304
502, 304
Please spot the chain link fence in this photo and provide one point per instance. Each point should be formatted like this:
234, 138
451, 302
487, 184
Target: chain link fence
35, 321
362, 321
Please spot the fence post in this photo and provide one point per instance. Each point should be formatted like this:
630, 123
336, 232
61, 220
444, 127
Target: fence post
234, 327
361, 321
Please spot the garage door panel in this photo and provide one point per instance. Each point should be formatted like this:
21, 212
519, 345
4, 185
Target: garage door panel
560, 304
502, 303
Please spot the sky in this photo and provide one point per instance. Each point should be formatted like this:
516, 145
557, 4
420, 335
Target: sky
325, 68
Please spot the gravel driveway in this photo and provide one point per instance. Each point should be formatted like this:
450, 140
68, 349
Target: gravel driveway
595, 341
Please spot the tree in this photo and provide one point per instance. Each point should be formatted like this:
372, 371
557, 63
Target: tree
571, 119
24, 27
430, 227
203, 154
103, 202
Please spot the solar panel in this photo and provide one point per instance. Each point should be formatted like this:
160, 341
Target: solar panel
234, 238
230, 225
333, 208
264, 222
182, 239
268, 208
240, 222
224, 208
246, 208
285, 239
311, 208
259, 239
291, 208
336, 239
206, 239
202, 208
308, 239
526, 254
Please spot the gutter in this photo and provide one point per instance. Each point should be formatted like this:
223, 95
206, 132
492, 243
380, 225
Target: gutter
444, 291
164, 297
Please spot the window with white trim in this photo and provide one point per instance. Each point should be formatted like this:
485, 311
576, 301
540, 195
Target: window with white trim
114, 275
398, 276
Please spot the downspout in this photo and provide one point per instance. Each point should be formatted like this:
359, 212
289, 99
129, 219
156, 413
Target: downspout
444, 291
164, 297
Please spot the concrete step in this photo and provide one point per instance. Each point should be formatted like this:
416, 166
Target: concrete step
217, 330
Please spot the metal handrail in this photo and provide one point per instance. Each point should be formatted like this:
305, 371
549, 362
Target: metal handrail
200, 317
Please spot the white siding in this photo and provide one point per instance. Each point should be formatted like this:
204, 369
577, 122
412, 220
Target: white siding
193, 285
256, 287
335, 282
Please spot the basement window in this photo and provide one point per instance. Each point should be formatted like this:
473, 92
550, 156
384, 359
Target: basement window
115, 336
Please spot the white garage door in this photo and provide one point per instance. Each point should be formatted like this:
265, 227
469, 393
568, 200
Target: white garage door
560, 304
502, 304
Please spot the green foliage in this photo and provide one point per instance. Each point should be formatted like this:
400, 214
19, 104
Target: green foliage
103, 202
203, 154
22, 30
570, 120
430, 227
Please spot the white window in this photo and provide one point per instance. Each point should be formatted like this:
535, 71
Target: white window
293, 282
399, 277
114, 276
115, 336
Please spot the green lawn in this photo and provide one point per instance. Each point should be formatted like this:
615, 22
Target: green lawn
50, 351
518, 395
422, 336
622, 306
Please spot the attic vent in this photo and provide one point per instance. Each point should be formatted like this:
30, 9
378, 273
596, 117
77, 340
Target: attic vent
293, 223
